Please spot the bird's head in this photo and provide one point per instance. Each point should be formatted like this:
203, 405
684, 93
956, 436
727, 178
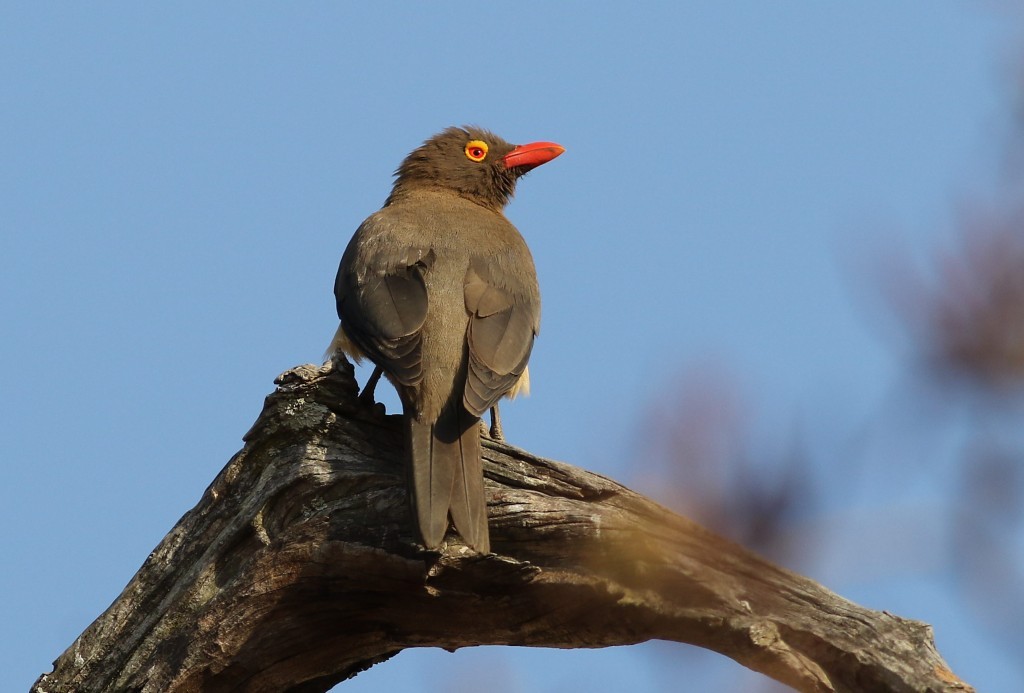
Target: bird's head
472, 162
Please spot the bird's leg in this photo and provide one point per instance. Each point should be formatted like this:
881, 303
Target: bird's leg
496, 432
366, 396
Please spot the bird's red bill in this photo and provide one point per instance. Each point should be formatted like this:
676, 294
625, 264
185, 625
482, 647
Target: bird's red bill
527, 156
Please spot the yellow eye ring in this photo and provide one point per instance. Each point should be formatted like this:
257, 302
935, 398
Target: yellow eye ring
476, 150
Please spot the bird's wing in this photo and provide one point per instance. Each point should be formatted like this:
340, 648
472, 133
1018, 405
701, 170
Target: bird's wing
382, 306
502, 326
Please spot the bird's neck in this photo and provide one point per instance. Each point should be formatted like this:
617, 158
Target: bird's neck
405, 189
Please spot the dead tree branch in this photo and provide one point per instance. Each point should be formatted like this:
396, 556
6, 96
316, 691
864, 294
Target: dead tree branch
298, 569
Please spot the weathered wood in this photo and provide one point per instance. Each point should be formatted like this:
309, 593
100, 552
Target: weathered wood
298, 568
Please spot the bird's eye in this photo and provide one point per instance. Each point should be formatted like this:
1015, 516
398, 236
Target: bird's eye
476, 150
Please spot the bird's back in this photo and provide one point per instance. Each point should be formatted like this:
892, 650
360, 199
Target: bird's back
456, 234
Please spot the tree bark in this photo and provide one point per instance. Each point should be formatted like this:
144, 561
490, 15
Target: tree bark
299, 568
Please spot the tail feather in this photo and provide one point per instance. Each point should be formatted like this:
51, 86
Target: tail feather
432, 474
468, 505
447, 475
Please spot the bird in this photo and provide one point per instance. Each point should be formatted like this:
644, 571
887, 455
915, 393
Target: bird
439, 291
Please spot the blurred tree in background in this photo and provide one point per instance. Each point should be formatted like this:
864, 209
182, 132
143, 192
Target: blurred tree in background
955, 422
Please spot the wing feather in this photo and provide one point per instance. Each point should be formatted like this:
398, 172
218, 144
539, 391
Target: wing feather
383, 306
502, 327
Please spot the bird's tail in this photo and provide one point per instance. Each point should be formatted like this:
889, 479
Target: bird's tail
447, 476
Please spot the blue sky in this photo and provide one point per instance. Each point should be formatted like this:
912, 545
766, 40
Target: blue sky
178, 184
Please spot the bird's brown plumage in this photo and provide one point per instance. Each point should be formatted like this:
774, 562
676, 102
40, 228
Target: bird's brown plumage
439, 290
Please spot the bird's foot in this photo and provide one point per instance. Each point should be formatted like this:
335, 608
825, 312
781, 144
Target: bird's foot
366, 396
496, 431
